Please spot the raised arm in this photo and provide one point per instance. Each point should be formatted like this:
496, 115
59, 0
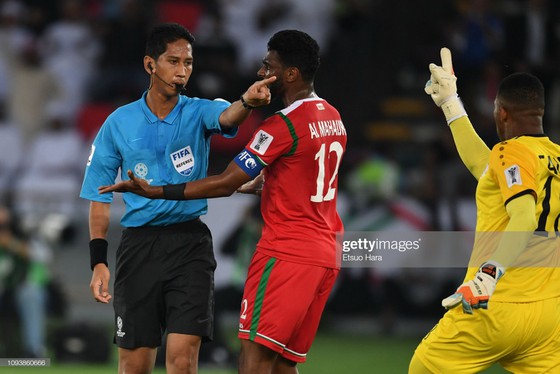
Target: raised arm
256, 95
442, 87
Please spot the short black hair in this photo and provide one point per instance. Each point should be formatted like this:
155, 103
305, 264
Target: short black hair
521, 91
163, 34
298, 49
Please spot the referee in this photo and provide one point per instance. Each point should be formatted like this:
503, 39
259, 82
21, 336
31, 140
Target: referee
164, 277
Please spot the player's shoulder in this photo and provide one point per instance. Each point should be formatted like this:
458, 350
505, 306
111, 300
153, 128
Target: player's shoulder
304, 106
520, 150
202, 102
512, 145
127, 110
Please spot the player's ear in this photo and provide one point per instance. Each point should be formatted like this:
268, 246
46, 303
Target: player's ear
149, 65
291, 74
502, 113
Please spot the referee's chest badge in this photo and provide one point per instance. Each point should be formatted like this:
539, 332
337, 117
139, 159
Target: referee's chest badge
183, 161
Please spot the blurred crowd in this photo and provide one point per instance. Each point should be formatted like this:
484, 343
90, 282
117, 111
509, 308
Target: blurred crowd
66, 64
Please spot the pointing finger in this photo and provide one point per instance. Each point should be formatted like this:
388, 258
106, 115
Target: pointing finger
446, 62
267, 81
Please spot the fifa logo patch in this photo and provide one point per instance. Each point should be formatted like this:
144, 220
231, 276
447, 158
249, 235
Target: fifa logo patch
513, 176
183, 161
261, 142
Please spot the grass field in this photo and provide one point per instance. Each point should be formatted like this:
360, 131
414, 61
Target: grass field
331, 354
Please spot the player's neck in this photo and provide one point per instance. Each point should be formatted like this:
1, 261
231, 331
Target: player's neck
303, 93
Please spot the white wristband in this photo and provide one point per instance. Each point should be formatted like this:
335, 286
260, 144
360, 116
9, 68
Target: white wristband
453, 109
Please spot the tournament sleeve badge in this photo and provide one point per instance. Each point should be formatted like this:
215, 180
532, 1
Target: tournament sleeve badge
261, 142
513, 176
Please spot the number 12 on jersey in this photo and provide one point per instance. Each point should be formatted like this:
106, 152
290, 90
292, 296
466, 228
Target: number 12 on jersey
323, 157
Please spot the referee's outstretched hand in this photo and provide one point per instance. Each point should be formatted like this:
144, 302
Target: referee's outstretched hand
135, 185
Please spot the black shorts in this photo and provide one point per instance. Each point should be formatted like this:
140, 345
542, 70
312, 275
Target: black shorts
164, 280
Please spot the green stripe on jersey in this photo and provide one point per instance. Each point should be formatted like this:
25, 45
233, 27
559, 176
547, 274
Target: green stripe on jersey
292, 133
260, 298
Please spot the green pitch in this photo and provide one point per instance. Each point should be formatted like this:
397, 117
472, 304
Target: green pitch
331, 353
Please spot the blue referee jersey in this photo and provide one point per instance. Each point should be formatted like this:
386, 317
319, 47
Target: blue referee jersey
172, 150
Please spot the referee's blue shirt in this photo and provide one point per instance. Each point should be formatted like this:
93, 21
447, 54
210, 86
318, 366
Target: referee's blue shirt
172, 150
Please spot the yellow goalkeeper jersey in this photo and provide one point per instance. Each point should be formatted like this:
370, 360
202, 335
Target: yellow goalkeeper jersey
518, 166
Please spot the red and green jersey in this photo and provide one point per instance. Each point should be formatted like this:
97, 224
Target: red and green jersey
301, 148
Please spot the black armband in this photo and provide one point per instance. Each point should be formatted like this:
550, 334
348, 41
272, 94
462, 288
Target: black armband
244, 103
174, 191
98, 252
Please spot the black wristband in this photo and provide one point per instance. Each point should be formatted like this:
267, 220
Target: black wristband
174, 191
98, 252
244, 103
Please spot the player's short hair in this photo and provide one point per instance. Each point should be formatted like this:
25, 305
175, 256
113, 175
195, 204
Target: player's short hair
163, 34
521, 91
298, 49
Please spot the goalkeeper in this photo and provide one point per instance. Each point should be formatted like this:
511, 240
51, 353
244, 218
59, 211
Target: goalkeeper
508, 308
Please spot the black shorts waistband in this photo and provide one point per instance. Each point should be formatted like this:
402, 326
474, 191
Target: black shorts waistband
175, 227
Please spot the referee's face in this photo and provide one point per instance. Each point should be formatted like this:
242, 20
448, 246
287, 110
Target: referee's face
175, 65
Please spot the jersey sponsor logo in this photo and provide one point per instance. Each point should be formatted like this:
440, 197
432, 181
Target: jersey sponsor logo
183, 161
513, 176
261, 142
91, 152
320, 106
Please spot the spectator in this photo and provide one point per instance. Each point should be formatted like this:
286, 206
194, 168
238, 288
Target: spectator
33, 89
11, 152
70, 50
51, 180
123, 36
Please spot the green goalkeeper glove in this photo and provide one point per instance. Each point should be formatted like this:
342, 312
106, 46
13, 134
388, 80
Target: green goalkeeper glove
442, 87
476, 293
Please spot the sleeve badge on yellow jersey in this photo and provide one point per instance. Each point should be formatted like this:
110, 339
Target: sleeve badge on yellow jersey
513, 176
